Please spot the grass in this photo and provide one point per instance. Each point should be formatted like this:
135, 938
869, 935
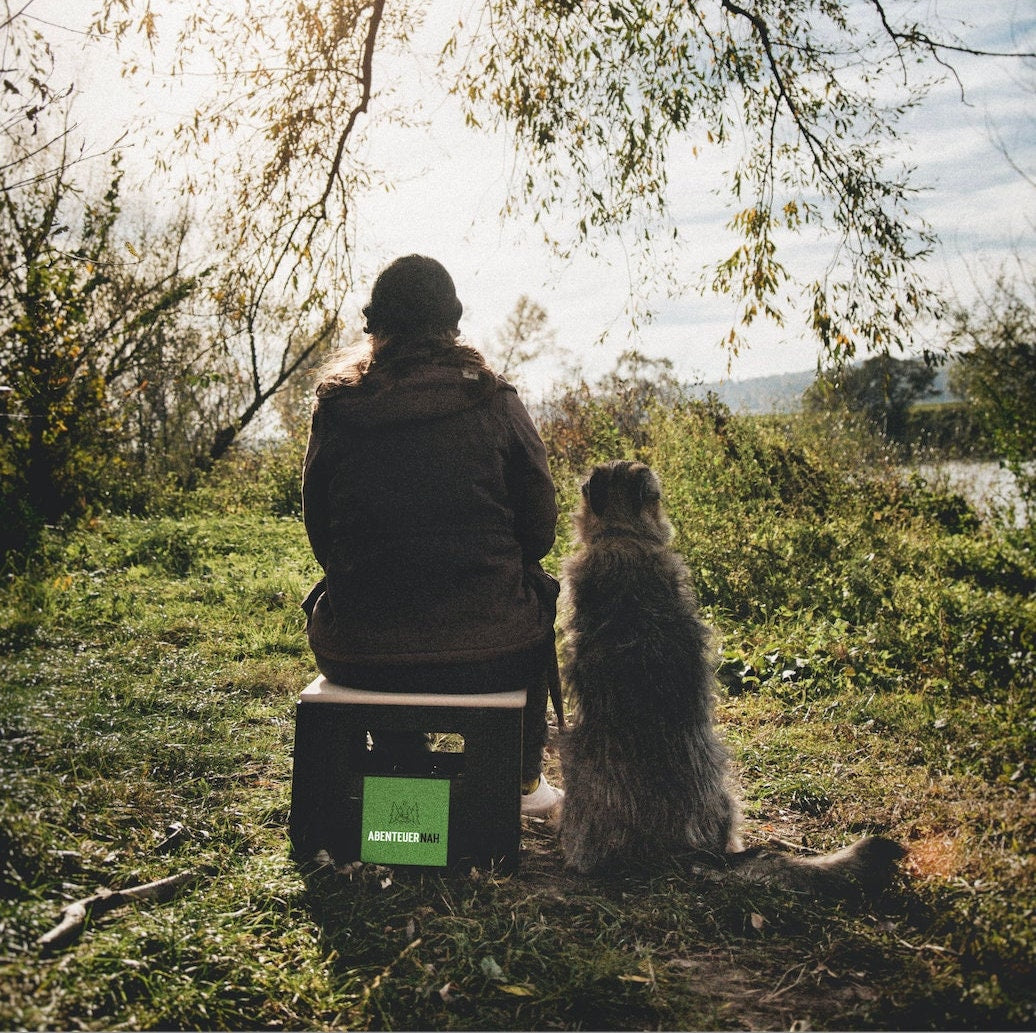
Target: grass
149, 671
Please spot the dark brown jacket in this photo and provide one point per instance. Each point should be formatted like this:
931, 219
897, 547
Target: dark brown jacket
428, 502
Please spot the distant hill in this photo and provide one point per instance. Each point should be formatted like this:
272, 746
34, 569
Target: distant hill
782, 392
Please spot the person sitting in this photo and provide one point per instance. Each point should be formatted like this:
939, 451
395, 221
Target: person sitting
429, 504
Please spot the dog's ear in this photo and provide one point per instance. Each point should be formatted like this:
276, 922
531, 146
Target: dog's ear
595, 489
647, 487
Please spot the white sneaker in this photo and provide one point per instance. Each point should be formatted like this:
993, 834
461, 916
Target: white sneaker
542, 800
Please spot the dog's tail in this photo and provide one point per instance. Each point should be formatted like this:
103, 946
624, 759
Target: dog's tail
864, 868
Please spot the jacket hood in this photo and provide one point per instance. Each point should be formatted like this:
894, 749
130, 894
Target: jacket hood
423, 393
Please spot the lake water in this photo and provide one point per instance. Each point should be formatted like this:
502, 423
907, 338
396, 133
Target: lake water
986, 485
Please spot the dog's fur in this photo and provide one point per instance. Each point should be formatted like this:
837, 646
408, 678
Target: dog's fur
646, 776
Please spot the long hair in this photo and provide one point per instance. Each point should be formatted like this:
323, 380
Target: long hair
385, 359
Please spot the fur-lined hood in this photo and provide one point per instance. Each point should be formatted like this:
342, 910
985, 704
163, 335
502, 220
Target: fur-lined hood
421, 392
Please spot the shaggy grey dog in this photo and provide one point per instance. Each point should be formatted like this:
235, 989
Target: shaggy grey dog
646, 776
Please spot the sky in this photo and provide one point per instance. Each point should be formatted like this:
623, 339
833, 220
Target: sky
447, 185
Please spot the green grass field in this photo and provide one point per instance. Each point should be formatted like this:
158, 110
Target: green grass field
877, 668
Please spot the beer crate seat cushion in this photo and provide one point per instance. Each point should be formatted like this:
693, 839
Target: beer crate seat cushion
467, 811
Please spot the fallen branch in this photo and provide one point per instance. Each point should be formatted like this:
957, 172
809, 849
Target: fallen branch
75, 916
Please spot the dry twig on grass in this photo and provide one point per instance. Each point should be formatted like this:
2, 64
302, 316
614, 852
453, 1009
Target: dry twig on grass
74, 917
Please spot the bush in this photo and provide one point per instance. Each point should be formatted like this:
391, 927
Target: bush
819, 560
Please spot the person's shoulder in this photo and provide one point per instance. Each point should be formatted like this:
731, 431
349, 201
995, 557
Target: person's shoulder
504, 398
504, 386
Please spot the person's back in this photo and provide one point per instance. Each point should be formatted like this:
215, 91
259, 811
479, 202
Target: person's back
426, 499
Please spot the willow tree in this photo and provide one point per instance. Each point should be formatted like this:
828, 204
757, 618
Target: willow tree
271, 157
806, 96
27, 92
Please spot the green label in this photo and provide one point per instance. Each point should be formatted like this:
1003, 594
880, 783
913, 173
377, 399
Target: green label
405, 820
